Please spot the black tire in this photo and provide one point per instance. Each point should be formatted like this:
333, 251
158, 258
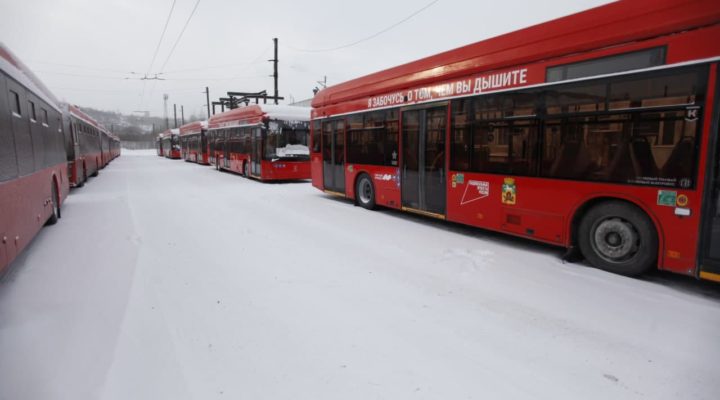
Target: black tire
365, 192
55, 205
618, 237
97, 169
246, 173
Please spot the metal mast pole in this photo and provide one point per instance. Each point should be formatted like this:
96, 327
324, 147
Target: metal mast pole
207, 97
275, 69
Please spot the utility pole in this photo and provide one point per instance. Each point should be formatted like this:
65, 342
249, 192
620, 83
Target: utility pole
275, 69
167, 122
207, 97
175, 113
182, 115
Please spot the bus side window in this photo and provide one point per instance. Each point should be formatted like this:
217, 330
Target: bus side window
8, 160
316, 134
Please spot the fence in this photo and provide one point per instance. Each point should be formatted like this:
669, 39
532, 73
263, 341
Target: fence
137, 145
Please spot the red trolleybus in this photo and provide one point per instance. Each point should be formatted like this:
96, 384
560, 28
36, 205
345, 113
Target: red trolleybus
83, 146
104, 147
193, 142
33, 168
114, 147
170, 143
596, 131
158, 145
266, 142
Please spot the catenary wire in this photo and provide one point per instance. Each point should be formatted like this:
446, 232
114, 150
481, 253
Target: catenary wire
374, 35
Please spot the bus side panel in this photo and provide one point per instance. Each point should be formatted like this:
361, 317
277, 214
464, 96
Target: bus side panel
316, 170
285, 170
509, 203
26, 205
385, 179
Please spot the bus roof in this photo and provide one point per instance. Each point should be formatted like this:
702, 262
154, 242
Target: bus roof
607, 25
169, 132
255, 113
193, 127
11, 65
76, 112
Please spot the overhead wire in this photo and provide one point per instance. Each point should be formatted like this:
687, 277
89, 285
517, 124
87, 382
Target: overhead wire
174, 46
172, 50
157, 49
365, 39
162, 36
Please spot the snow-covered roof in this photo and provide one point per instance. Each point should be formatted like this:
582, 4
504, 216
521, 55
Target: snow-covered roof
256, 113
76, 112
15, 68
290, 113
193, 127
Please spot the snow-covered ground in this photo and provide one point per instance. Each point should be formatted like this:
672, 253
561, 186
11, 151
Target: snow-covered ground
167, 280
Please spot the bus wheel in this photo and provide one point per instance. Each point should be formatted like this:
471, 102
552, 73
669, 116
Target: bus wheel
618, 237
55, 205
246, 173
365, 192
81, 183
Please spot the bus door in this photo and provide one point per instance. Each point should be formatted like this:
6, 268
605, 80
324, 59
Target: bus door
257, 151
333, 148
423, 160
224, 148
710, 251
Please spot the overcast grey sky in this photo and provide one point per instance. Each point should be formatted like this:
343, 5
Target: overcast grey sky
85, 49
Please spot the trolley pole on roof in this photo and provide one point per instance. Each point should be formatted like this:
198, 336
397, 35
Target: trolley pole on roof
175, 113
275, 69
207, 97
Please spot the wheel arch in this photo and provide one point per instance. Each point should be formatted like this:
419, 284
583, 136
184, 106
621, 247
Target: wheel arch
58, 192
58, 195
356, 178
583, 206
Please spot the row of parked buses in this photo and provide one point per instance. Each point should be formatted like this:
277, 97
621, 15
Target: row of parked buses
597, 132
45, 148
264, 142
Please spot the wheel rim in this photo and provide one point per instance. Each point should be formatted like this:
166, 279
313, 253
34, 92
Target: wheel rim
365, 192
615, 240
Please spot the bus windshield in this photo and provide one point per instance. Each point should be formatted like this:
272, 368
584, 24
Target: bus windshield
287, 141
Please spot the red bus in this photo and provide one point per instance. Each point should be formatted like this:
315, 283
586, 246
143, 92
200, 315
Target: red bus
193, 142
159, 145
115, 147
33, 166
170, 143
597, 131
266, 142
105, 138
83, 145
